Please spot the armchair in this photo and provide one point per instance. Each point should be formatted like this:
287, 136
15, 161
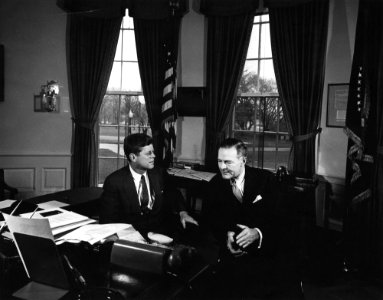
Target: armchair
6, 191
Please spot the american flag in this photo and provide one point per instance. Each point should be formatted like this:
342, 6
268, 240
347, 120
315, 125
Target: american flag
168, 108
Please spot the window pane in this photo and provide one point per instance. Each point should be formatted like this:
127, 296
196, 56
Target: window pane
105, 167
257, 19
109, 110
271, 115
282, 122
265, 41
265, 18
131, 80
252, 52
244, 114
115, 77
127, 21
249, 79
270, 150
118, 49
284, 147
129, 52
108, 140
267, 80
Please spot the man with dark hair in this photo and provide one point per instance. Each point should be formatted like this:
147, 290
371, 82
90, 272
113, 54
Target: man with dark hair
239, 213
137, 193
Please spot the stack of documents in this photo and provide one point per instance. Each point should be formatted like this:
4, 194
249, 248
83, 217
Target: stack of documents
93, 233
60, 220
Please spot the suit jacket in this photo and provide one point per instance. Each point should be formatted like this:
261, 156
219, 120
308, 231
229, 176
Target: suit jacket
223, 211
119, 201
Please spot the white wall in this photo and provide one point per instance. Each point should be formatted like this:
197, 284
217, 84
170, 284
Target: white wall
34, 144
192, 72
332, 146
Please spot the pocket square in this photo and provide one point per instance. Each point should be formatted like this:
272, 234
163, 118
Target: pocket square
259, 197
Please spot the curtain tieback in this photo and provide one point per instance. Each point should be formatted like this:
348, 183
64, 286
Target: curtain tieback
84, 124
304, 137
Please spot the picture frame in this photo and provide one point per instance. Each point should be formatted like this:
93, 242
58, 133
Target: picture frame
337, 98
44, 103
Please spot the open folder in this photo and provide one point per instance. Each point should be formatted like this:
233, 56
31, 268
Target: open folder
41, 259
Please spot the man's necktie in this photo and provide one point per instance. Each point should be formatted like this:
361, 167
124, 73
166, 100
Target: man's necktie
236, 191
144, 196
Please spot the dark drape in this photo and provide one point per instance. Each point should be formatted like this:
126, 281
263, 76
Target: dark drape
150, 54
91, 46
363, 221
298, 39
155, 24
228, 39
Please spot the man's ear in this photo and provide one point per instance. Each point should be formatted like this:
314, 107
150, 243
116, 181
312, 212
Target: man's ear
244, 159
132, 156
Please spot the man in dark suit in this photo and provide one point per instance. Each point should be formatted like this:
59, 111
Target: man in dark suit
138, 194
239, 212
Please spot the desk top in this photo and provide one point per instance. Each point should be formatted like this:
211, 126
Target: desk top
81, 200
71, 197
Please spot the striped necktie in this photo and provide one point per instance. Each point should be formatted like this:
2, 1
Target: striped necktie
144, 195
236, 191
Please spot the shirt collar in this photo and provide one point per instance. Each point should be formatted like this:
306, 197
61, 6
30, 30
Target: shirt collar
239, 180
136, 176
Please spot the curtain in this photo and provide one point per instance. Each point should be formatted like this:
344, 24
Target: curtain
155, 25
91, 46
228, 38
363, 221
150, 54
298, 40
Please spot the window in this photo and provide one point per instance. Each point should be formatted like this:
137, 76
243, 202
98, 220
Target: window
123, 109
258, 118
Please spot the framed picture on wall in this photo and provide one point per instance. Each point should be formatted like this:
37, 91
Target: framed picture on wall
337, 96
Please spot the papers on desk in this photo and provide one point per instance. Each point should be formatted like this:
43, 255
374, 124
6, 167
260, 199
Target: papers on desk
60, 220
6, 203
52, 204
39, 227
93, 233
192, 174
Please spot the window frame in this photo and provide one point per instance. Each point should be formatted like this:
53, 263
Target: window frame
260, 148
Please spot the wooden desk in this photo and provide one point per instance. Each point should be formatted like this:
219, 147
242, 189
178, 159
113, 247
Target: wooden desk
93, 264
81, 200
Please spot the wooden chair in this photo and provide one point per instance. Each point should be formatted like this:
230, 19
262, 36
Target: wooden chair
6, 191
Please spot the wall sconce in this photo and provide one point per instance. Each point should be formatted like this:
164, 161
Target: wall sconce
48, 100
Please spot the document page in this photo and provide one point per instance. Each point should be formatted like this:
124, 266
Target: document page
52, 204
57, 217
6, 203
93, 233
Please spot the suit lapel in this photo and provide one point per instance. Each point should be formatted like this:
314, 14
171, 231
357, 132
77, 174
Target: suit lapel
131, 190
155, 189
251, 186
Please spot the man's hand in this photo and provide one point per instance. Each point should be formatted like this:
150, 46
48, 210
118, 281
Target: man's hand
230, 242
185, 218
247, 236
